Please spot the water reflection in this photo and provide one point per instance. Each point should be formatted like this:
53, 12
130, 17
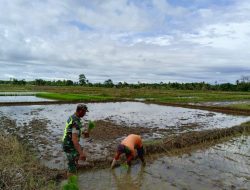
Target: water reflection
117, 179
127, 114
26, 98
130, 114
126, 179
223, 166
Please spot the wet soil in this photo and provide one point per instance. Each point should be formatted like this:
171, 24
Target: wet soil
100, 147
106, 136
183, 171
106, 130
43, 134
181, 143
190, 139
221, 166
42, 128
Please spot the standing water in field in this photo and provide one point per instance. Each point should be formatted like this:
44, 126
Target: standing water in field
22, 99
127, 113
224, 166
43, 125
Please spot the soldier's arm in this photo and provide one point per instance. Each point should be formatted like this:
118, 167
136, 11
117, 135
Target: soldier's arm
76, 144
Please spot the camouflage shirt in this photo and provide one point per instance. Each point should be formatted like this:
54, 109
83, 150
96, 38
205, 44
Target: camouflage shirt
73, 125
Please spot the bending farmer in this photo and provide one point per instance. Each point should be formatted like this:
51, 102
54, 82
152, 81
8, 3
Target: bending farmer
128, 146
72, 134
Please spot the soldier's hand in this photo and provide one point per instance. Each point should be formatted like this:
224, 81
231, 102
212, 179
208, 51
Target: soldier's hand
82, 156
86, 135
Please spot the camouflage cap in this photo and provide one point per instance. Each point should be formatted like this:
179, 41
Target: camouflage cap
82, 107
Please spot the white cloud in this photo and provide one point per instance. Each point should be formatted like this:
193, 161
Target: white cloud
114, 16
149, 41
231, 36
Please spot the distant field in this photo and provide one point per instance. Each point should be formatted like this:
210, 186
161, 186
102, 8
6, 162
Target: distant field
156, 95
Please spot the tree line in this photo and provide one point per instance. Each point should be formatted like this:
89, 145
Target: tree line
243, 84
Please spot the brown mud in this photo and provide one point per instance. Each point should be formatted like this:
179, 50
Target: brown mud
189, 139
182, 143
105, 138
107, 130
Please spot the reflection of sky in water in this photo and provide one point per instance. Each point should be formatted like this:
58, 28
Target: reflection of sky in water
223, 166
128, 113
22, 99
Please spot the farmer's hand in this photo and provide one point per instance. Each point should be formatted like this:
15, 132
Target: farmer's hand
82, 156
113, 163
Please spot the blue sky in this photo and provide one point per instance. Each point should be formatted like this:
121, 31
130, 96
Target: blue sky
125, 40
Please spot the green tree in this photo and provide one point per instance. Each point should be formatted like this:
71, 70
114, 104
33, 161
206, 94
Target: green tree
82, 79
69, 83
40, 82
108, 83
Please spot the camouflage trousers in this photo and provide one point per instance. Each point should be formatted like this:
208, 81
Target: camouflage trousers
72, 156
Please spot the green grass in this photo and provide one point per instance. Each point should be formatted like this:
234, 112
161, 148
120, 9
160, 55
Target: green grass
72, 183
19, 168
165, 96
240, 106
72, 97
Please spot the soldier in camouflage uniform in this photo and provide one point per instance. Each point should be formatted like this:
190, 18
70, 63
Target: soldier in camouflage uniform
71, 137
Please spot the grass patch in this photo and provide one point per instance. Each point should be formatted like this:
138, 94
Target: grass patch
245, 106
162, 95
72, 97
19, 168
83, 93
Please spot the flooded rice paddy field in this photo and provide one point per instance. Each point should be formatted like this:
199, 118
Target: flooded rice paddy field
42, 125
22, 98
223, 166
126, 113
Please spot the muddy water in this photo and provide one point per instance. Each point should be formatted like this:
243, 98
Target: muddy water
43, 125
128, 113
224, 166
26, 98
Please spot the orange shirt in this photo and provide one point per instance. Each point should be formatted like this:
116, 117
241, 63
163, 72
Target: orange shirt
132, 141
